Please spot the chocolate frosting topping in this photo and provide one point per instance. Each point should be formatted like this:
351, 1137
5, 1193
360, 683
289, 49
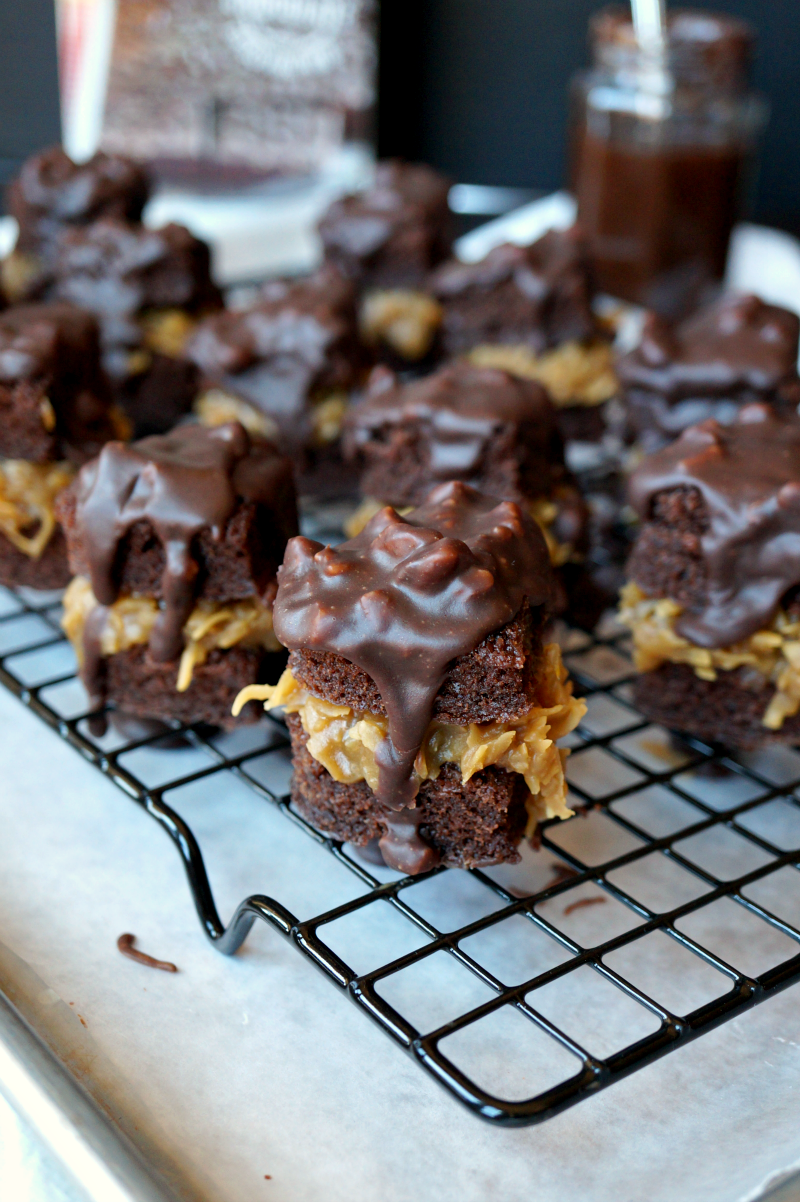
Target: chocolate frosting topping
748, 475
461, 409
182, 483
404, 599
737, 345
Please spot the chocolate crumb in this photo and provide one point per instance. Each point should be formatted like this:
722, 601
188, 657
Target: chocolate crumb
83, 1020
125, 944
562, 872
584, 901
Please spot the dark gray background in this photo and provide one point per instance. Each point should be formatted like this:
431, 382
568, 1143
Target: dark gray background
479, 89
476, 87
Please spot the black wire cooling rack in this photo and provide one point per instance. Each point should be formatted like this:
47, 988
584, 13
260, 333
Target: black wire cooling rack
668, 904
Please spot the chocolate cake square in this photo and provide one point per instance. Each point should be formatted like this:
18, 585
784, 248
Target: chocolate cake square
726, 355
422, 704
528, 309
392, 234
148, 289
175, 542
55, 412
713, 581
285, 367
387, 239
52, 193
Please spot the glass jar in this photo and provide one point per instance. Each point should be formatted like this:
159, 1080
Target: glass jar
663, 141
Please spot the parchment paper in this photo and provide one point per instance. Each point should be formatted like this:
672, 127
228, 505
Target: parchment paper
235, 1069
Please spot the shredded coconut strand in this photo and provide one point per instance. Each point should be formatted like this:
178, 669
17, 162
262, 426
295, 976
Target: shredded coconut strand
573, 373
774, 652
27, 494
130, 620
345, 742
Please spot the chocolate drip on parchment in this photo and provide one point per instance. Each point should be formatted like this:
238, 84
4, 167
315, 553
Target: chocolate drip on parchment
748, 475
403, 600
181, 483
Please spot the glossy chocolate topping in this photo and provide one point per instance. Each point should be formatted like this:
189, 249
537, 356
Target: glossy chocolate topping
404, 599
748, 475
182, 483
298, 339
52, 191
117, 270
737, 345
460, 410
537, 295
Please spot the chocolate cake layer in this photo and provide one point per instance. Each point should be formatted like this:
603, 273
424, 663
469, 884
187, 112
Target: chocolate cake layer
468, 825
725, 544
534, 296
55, 401
49, 571
492, 683
391, 235
138, 685
728, 354
728, 710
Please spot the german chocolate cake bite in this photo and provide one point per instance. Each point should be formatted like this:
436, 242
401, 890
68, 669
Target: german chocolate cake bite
284, 367
148, 289
387, 239
175, 542
713, 600
55, 412
422, 704
528, 309
724, 356
52, 193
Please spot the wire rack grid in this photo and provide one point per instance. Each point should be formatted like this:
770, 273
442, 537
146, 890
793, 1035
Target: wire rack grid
668, 904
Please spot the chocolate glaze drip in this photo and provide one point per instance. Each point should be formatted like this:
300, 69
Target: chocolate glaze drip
537, 295
183, 482
297, 340
748, 475
402, 601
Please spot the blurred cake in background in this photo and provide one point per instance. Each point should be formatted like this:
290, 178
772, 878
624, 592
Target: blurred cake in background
528, 310
736, 350
387, 239
285, 367
56, 411
148, 288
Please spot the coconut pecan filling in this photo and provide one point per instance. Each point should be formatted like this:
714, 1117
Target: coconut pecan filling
27, 495
130, 620
773, 652
345, 741
574, 373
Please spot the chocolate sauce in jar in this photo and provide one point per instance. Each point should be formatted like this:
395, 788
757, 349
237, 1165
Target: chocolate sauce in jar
662, 147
